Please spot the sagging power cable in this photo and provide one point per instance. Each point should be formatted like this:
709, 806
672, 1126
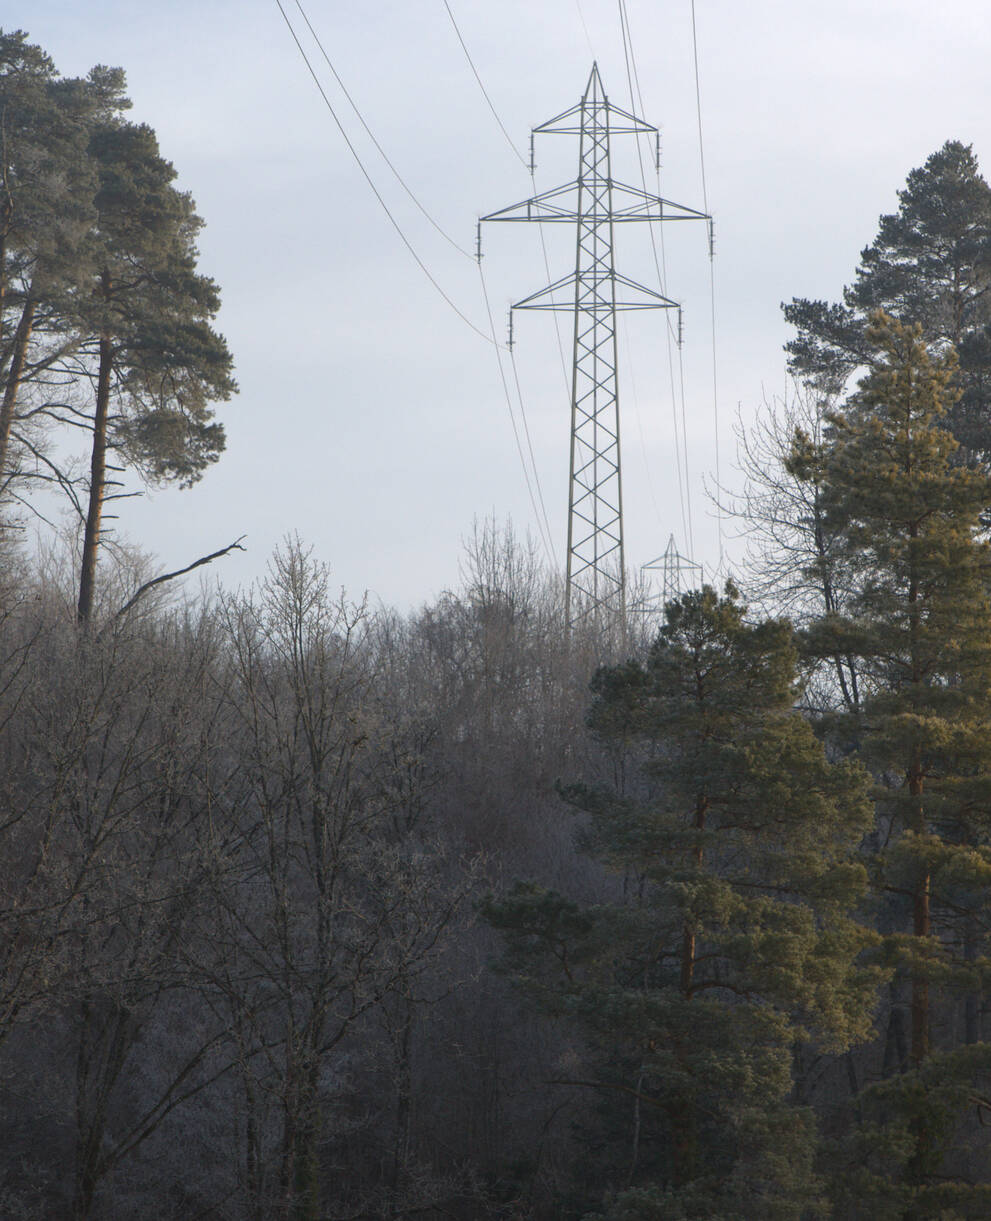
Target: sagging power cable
712, 293
540, 515
485, 94
660, 265
374, 189
371, 135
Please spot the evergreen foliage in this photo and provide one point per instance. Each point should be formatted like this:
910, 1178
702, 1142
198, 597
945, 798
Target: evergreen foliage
145, 329
105, 322
907, 518
47, 185
733, 939
930, 264
240, 842
168, 363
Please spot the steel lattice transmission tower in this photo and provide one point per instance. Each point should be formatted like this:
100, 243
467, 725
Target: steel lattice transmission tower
673, 567
595, 203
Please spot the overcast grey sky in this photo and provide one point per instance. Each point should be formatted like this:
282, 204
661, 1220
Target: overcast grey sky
371, 418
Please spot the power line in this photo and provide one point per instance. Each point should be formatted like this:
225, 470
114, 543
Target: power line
698, 109
637, 107
530, 168
509, 138
596, 577
532, 171
624, 29
557, 321
540, 513
543, 244
581, 18
712, 285
639, 418
684, 437
542, 525
660, 266
529, 443
371, 135
375, 191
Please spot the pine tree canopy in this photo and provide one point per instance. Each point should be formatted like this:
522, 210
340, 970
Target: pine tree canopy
105, 322
906, 516
169, 364
930, 264
735, 838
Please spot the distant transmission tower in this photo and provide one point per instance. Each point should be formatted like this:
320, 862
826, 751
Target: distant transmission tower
596, 575
674, 568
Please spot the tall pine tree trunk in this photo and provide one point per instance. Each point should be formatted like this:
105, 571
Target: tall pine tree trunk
919, 1165
921, 927
921, 924
97, 484
18, 353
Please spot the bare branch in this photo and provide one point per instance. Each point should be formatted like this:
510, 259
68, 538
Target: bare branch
179, 572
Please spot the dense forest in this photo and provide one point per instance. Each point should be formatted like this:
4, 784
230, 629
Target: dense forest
317, 911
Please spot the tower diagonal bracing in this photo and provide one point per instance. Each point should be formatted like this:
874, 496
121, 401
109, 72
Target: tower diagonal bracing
594, 293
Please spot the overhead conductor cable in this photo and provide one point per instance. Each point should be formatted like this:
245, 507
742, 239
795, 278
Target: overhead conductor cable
375, 191
712, 290
660, 266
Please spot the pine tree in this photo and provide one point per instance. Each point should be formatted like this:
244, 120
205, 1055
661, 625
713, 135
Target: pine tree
733, 942
918, 620
46, 214
157, 363
930, 263
99, 287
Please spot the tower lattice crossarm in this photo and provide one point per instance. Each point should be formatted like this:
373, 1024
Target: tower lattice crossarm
675, 569
594, 292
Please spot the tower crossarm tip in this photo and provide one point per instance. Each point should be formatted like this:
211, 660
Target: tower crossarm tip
649, 298
544, 299
542, 207
636, 296
641, 205
568, 123
629, 203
